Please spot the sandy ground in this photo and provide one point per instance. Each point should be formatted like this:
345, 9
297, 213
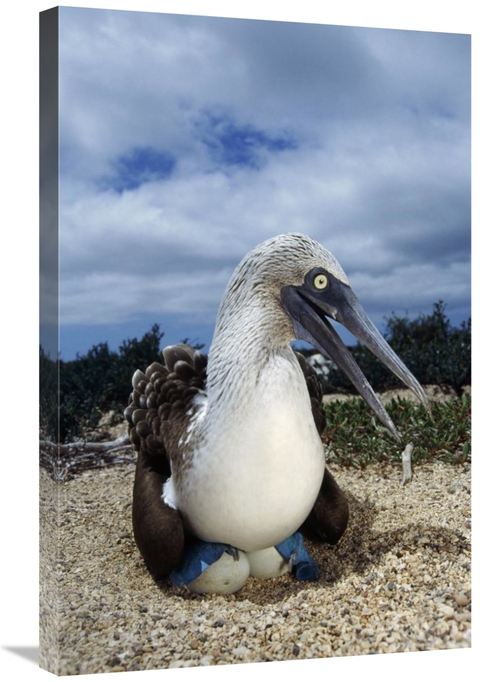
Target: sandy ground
398, 581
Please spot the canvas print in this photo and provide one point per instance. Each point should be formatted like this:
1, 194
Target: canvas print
255, 341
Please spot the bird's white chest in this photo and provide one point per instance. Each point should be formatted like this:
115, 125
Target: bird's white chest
257, 476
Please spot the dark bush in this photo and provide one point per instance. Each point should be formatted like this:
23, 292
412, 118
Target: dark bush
433, 350
133, 354
86, 387
101, 380
48, 375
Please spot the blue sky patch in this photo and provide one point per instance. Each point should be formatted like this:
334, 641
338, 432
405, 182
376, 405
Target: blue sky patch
141, 165
231, 144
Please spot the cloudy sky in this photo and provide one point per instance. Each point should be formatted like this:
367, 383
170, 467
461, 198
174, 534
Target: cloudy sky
185, 141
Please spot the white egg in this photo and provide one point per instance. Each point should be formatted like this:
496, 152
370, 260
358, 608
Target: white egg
267, 563
225, 576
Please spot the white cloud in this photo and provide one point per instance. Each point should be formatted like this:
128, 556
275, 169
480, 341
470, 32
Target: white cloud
378, 170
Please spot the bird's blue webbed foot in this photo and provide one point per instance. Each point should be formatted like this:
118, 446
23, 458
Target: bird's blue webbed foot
218, 568
303, 566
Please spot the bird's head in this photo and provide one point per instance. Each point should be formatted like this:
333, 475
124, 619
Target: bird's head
302, 279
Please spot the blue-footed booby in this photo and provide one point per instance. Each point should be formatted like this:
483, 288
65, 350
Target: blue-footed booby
231, 465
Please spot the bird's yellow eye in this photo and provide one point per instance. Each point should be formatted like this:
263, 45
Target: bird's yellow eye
320, 281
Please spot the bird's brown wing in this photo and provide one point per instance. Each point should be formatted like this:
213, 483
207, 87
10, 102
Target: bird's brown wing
158, 416
330, 514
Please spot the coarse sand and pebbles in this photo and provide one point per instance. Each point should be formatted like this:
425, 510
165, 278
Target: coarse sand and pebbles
398, 581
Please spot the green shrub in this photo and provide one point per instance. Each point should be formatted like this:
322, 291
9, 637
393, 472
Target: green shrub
355, 437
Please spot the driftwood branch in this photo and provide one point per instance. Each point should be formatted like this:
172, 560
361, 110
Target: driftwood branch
87, 446
62, 460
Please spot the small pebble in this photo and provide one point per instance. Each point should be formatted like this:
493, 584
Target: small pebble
461, 599
447, 610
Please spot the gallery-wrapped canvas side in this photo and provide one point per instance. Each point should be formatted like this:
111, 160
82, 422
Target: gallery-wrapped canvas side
50, 560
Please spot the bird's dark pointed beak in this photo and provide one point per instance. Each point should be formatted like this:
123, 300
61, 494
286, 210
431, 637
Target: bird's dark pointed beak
308, 309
